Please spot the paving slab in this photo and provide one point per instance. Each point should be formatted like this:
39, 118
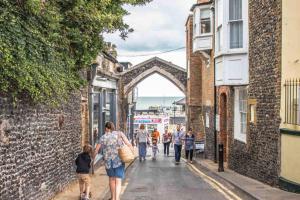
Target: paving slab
254, 188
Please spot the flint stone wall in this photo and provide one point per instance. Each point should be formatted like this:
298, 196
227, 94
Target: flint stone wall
38, 146
259, 158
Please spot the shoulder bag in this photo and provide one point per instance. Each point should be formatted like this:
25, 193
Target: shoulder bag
124, 152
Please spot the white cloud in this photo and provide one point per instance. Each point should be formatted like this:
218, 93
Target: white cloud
159, 26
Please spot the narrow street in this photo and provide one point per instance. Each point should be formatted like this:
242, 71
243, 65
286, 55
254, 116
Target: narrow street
162, 179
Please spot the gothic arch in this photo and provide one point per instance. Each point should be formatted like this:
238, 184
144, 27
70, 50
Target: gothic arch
168, 70
133, 76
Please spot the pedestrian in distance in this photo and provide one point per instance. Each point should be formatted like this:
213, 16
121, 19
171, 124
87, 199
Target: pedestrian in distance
189, 145
155, 149
178, 137
167, 138
142, 138
111, 142
155, 135
83, 166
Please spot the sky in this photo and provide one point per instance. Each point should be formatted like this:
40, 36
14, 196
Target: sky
158, 26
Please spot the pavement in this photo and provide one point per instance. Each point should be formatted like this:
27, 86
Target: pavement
250, 188
99, 186
161, 179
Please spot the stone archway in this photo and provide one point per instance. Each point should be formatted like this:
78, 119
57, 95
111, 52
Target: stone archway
130, 78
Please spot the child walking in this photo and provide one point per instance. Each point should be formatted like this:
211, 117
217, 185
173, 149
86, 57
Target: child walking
83, 163
154, 149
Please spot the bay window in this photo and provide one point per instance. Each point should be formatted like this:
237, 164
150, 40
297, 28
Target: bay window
236, 24
202, 28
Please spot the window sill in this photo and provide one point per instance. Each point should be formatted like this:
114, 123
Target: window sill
203, 35
240, 138
229, 53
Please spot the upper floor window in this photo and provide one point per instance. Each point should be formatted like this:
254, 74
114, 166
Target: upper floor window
205, 21
236, 24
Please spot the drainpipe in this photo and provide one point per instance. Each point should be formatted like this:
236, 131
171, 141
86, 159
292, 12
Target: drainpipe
91, 104
91, 107
215, 87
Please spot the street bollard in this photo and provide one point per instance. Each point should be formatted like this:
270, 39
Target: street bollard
221, 158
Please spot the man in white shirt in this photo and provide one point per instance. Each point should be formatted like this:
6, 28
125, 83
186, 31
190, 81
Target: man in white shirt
178, 137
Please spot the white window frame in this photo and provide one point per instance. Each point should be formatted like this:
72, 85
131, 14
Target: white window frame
223, 22
196, 17
219, 36
238, 134
210, 20
207, 123
194, 24
241, 20
197, 21
219, 25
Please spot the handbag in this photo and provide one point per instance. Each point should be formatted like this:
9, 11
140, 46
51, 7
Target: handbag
124, 152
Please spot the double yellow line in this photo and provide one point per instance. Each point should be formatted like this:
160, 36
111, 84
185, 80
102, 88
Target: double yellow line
228, 194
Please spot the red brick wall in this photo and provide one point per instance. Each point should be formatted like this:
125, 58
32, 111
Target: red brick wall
225, 110
194, 91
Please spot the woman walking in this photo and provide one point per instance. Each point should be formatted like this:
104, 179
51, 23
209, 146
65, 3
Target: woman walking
189, 145
167, 138
142, 138
110, 142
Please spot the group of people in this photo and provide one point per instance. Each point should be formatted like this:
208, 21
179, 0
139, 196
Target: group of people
178, 138
113, 140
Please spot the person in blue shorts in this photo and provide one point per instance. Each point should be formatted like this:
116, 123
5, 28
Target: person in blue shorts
115, 168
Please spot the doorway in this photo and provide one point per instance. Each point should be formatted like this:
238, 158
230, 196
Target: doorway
223, 124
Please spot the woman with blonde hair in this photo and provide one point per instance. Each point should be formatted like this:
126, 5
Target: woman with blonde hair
142, 138
115, 168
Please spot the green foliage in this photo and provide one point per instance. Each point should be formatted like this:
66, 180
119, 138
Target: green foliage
44, 44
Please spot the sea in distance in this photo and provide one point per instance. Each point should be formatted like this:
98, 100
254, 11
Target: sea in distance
143, 103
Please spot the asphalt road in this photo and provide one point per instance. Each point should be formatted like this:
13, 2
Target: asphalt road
163, 180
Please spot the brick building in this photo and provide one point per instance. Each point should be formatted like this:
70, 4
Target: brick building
200, 86
257, 89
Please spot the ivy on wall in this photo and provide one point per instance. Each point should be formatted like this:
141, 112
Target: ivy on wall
44, 44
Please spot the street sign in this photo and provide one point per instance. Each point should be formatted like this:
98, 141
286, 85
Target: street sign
199, 145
